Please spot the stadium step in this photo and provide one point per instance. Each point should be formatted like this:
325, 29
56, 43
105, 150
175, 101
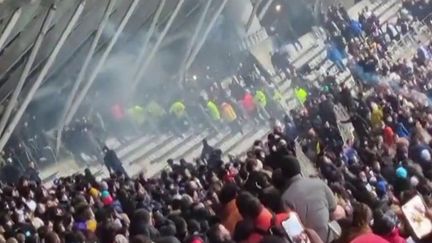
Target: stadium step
308, 41
195, 151
237, 142
180, 148
123, 152
143, 151
385, 12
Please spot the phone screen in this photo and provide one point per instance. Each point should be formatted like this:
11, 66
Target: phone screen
294, 229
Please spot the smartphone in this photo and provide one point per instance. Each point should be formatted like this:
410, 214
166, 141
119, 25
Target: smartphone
295, 230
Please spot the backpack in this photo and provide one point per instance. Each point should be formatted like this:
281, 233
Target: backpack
274, 229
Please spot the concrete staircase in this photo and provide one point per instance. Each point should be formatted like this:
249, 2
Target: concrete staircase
149, 153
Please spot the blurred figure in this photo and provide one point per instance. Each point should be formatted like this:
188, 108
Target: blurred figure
32, 173
112, 162
206, 151
230, 116
156, 115
335, 56
214, 113
261, 101
179, 117
10, 173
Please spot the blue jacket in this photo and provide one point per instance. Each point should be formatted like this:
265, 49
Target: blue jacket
402, 131
356, 27
333, 54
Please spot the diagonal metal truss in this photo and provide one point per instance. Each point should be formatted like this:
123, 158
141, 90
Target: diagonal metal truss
83, 71
205, 35
143, 51
192, 41
27, 68
253, 15
101, 62
51, 59
265, 9
9, 27
155, 49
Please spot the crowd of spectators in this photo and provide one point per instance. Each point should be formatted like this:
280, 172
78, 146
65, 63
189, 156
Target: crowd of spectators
354, 193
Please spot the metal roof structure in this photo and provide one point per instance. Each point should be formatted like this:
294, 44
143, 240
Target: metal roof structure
31, 15
43, 41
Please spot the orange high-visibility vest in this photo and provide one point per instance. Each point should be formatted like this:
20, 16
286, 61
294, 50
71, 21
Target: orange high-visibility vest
228, 112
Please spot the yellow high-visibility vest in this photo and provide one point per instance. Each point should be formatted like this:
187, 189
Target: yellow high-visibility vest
137, 114
261, 98
301, 95
154, 110
178, 109
214, 110
278, 97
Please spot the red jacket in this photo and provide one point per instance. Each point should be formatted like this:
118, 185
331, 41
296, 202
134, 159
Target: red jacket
117, 111
394, 237
389, 136
263, 221
369, 238
248, 102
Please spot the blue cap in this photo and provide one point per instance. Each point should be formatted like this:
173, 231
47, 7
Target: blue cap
381, 186
401, 172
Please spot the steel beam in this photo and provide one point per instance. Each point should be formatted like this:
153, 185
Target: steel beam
9, 27
83, 71
141, 55
253, 15
192, 41
205, 35
27, 68
102, 60
265, 9
155, 49
38, 82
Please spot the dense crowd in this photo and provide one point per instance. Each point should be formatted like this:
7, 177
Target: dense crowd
354, 193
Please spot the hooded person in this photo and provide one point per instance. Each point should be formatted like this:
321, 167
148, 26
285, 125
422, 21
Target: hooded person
306, 194
389, 136
377, 115
112, 162
206, 151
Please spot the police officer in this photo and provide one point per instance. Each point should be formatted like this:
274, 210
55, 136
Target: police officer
178, 117
230, 116
261, 100
277, 106
214, 113
137, 115
156, 115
